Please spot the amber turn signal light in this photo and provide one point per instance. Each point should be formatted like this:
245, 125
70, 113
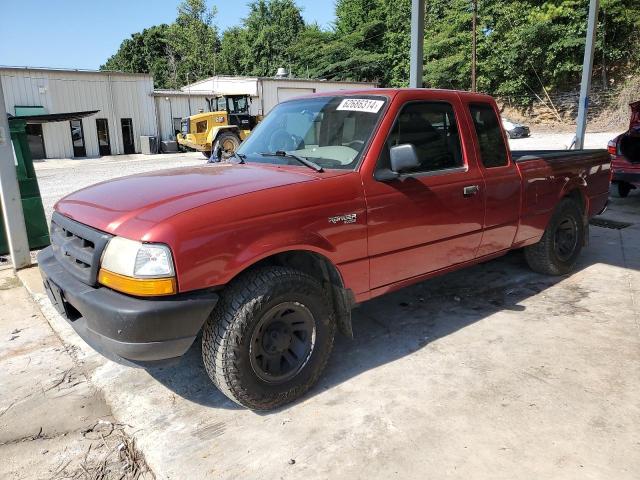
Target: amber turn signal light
141, 287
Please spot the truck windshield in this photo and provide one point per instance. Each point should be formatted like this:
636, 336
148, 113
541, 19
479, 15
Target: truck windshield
330, 131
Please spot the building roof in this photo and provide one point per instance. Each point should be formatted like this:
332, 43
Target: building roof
72, 70
285, 79
161, 92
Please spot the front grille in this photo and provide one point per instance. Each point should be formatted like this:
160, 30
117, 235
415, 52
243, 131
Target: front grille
77, 247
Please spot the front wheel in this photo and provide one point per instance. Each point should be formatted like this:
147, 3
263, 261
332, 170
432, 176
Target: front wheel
269, 338
556, 253
227, 143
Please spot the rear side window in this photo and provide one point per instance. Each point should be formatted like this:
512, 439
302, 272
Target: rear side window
493, 151
431, 128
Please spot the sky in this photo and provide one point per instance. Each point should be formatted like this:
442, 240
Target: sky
82, 34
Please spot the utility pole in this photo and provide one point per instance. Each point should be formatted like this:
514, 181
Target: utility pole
12, 212
587, 68
417, 43
474, 40
189, 93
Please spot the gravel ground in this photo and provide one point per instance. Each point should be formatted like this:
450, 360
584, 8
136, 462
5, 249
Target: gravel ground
58, 178
552, 141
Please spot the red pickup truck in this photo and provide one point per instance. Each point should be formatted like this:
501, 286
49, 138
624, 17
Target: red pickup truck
333, 200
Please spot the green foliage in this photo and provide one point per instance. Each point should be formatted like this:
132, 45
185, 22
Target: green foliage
523, 45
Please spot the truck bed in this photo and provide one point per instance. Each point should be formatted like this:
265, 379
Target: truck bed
547, 173
557, 155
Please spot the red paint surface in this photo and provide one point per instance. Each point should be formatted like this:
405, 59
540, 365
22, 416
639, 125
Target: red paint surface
221, 219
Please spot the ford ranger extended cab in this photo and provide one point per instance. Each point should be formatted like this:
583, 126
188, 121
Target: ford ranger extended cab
333, 200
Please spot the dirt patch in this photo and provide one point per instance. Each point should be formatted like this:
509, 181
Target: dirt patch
9, 283
111, 454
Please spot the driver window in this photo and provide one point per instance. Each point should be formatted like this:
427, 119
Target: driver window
432, 129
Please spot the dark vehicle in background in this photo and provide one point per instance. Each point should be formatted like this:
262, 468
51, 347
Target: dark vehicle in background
514, 129
625, 155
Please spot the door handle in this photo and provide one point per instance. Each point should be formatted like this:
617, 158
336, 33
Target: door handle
470, 190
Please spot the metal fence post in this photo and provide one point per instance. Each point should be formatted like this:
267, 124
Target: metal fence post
12, 213
587, 67
417, 43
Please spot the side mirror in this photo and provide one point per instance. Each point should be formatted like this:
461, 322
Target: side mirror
403, 158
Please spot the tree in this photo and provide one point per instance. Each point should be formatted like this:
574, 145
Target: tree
174, 54
271, 27
524, 46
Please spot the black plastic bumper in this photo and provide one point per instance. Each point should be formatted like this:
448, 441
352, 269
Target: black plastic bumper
121, 327
633, 178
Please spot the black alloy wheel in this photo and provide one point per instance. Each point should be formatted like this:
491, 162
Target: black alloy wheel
565, 238
282, 342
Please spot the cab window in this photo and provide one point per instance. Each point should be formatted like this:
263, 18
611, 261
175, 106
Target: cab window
201, 127
493, 151
432, 129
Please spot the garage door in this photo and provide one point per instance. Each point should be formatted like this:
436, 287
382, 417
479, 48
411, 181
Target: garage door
285, 93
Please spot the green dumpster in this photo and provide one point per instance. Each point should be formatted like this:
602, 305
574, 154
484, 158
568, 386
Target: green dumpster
36, 223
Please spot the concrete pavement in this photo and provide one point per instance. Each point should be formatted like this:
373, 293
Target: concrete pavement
492, 372
53, 422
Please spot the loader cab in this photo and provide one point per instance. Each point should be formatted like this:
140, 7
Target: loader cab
237, 109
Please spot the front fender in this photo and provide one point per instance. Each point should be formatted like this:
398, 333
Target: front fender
215, 131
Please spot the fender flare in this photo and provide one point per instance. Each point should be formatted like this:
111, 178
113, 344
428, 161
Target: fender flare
215, 131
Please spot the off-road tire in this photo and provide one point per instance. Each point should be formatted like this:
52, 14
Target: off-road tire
624, 189
226, 138
542, 257
228, 332
206, 154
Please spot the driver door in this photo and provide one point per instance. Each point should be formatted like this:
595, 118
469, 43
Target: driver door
433, 218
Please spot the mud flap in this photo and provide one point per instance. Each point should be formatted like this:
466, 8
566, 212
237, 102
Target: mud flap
343, 302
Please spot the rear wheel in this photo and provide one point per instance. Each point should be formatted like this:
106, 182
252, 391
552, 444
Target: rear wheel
556, 253
228, 142
269, 337
623, 189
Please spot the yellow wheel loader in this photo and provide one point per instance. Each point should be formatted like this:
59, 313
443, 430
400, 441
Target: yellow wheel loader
221, 130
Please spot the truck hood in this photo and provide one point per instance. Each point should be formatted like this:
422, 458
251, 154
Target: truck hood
145, 200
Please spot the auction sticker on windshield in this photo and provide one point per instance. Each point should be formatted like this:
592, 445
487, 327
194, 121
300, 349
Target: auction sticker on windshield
360, 105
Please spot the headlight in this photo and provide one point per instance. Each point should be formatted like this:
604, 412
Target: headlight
136, 268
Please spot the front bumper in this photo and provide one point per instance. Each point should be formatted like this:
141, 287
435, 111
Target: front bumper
123, 328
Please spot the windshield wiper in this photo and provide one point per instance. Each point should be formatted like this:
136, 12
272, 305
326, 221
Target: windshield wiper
302, 160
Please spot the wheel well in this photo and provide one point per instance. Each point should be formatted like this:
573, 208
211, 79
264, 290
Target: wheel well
310, 263
324, 270
577, 196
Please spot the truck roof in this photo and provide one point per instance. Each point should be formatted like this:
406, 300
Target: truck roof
392, 92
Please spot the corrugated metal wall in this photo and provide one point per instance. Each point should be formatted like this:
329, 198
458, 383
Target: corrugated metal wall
117, 96
275, 90
177, 106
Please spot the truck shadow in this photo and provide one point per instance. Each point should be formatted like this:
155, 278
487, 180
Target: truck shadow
398, 324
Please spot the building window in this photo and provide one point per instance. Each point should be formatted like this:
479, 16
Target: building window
177, 126
102, 127
77, 138
201, 127
128, 141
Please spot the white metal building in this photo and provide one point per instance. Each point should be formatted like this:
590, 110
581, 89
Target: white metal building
125, 104
128, 106
267, 92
